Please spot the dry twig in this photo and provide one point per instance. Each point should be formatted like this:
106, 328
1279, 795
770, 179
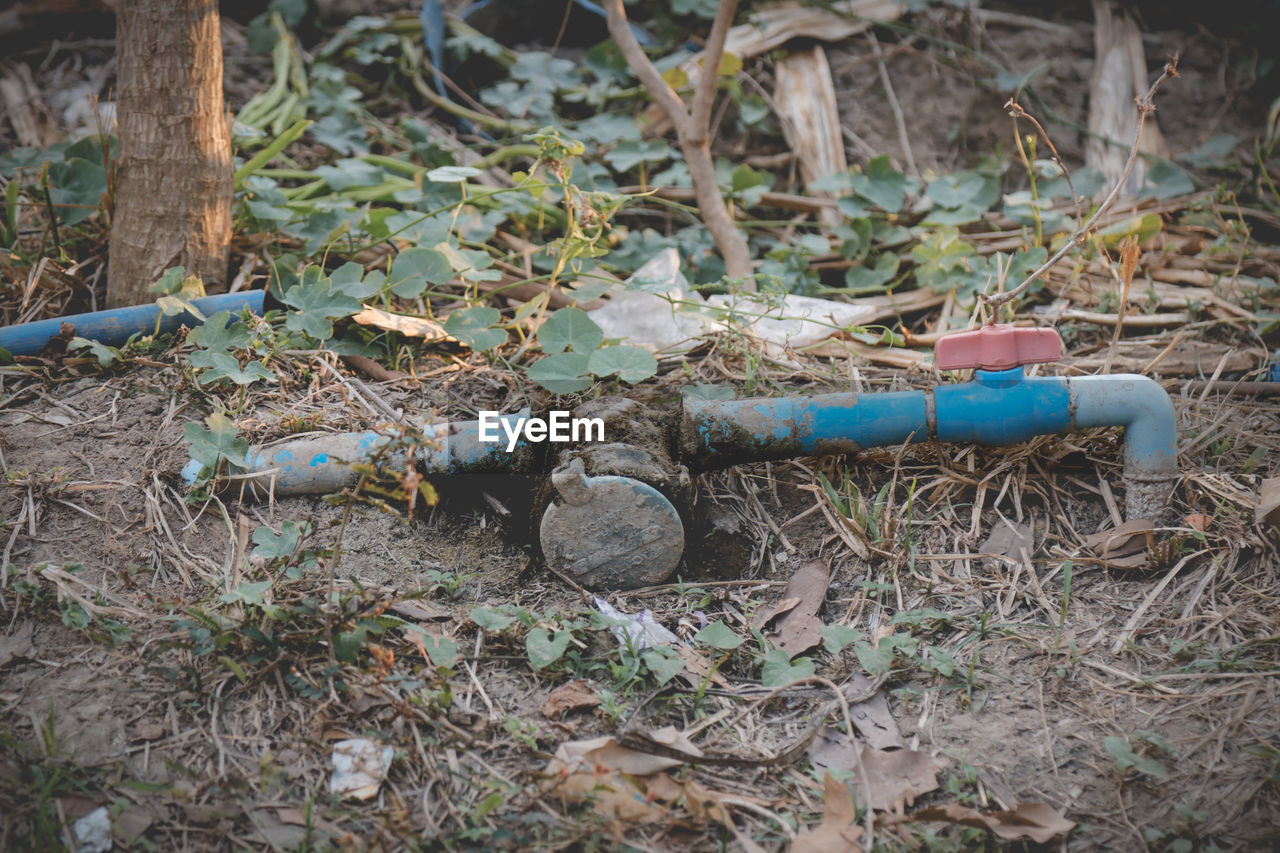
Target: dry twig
1145, 108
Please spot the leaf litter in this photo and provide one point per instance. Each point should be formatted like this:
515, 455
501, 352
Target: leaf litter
899, 535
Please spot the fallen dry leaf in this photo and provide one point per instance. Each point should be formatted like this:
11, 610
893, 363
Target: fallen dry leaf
766, 616
569, 696
605, 752
1036, 821
414, 327
1268, 508
422, 611
871, 717
896, 776
1196, 521
801, 629
1008, 539
612, 794
17, 645
698, 670
839, 831
1129, 538
146, 730
628, 785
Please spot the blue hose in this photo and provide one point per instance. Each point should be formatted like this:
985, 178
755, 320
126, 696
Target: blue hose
116, 326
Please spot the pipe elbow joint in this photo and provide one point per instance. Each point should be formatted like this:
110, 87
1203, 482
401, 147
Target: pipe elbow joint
1144, 409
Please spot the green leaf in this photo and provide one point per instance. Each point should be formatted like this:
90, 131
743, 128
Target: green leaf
317, 306
173, 305
1141, 228
78, 182
490, 620
273, 546
835, 638
1165, 180
235, 668
941, 661
665, 664
941, 259
718, 635
170, 281
545, 649
629, 153
706, 392
218, 442
879, 660
347, 644
221, 333
443, 651
864, 278
882, 185
247, 593
106, 355
414, 269
472, 326
349, 172
223, 365
452, 174
570, 328
585, 291
632, 364
347, 279
779, 669
565, 373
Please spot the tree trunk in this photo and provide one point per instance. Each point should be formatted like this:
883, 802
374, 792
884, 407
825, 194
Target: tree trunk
173, 176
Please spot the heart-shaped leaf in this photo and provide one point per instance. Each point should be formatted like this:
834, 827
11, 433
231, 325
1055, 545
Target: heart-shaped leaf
570, 328
545, 649
561, 374
632, 364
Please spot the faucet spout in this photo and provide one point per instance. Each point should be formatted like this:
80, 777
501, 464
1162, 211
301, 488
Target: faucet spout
1144, 409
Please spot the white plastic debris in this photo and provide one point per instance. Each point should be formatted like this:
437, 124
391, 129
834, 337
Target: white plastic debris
93, 832
652, 319
794, 321
359, 766
641, 631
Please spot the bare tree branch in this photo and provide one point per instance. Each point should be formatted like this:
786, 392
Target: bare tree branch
1145, 108
693, 129
705, 94
650, 78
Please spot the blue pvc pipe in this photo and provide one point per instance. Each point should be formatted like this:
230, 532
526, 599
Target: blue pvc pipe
725, 432
1002, 407
117, 325
998, 407
324, 463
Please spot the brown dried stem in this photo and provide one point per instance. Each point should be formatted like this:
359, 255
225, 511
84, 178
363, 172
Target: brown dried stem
1145, 108
693, 126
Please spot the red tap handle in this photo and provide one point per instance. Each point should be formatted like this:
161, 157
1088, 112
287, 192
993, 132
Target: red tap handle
997, 347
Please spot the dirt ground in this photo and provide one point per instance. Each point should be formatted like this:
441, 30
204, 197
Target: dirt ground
1135, 692
196, 755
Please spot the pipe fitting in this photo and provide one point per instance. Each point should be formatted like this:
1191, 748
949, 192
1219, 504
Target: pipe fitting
1144, 409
